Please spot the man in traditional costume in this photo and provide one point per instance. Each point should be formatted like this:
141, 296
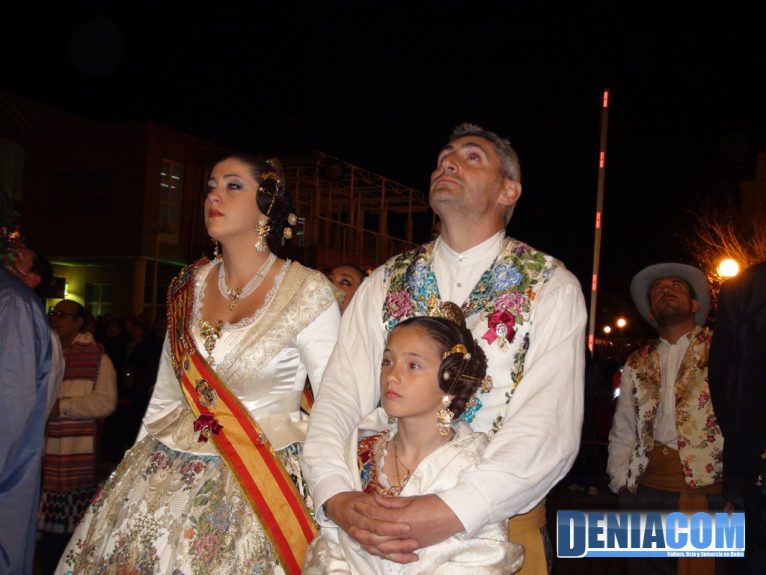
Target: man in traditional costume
665, 447
528, 314
738, 392
24, 365
88, 393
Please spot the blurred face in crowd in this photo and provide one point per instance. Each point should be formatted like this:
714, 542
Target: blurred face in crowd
64, 320
347, 279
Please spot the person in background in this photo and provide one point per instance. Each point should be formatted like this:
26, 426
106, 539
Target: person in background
737, 374
70, 465
25, 362
665, 446
347, 278
34, 269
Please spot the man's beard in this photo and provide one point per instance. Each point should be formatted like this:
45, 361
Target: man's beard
672, 316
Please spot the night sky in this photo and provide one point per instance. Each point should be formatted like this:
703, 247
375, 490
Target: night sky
381, 84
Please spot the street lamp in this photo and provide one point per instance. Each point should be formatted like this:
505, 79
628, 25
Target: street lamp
621, 322
727, 268
607, 329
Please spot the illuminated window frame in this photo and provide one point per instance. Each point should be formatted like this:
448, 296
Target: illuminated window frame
171, 196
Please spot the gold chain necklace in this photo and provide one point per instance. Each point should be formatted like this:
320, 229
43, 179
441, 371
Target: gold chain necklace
396, 489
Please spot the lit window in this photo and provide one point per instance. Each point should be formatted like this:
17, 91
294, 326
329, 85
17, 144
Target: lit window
171, 186
98, 299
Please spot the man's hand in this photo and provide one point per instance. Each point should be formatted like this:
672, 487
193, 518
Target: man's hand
429, 518
372, 525
429, 521
393, 527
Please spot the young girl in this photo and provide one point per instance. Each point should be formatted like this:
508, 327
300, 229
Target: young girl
413, 445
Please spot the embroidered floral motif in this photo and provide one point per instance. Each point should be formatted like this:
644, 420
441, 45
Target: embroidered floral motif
496, 425
398, 304
368, 453
189, 473
157, 462
470, 411
510, 284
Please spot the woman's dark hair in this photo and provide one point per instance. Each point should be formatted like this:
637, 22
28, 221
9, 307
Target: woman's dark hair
448, 334
272, 193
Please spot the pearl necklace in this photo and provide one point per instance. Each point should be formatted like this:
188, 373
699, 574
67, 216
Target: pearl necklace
235, 294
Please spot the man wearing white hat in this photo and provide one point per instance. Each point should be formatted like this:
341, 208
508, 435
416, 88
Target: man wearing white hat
665, 447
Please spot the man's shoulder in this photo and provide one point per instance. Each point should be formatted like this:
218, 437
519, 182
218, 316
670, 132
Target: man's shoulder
15, 294
701, 336
409, 255
11, 286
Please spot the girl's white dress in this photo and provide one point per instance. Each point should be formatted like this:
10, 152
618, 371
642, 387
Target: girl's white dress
488, 552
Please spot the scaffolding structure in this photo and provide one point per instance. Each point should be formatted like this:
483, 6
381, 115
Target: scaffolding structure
349, 214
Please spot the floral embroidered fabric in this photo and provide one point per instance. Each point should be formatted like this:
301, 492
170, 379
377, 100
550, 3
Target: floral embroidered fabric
369, 456
165, 511
700, 443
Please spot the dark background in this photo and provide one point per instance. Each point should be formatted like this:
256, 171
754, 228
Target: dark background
381, 84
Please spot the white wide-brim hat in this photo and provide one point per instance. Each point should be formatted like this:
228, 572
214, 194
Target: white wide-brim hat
643, 280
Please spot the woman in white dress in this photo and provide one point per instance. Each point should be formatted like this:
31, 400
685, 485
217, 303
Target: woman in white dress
412, 446
213, 484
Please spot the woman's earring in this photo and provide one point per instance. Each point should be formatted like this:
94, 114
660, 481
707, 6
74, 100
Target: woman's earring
262, 228
215, 247
444, 417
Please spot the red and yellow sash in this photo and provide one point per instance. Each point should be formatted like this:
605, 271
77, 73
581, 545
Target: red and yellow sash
239, 439
307, 398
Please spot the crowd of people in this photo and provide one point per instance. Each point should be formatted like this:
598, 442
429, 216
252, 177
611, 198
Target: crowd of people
449, 399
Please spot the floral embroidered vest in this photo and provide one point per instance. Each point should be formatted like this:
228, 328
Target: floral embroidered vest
498, 312
700, 443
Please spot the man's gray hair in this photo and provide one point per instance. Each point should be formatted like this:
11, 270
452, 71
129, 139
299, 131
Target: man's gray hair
509, 160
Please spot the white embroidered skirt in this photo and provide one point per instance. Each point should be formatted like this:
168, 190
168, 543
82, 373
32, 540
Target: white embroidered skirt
171, 512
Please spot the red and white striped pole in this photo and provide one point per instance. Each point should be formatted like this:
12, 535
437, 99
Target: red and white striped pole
599, 212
